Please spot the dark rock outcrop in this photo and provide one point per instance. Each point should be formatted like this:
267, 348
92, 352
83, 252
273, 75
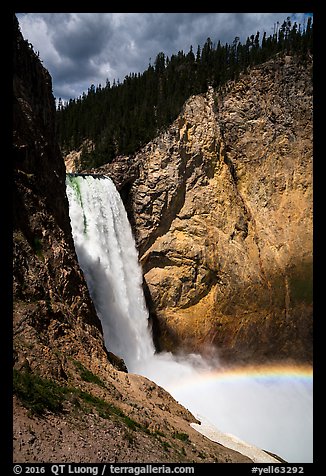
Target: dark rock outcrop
52, 307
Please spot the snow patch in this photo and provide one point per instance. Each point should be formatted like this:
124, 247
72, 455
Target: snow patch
230, 441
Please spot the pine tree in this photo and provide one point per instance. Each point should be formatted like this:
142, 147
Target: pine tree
123, 116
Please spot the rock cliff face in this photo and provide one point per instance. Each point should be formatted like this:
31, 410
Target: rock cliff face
52, 310
222, 213
74, 400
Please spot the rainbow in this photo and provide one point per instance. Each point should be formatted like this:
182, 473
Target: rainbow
263, 373
266, 406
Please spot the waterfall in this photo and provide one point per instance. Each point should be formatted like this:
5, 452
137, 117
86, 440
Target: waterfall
270, 407
107, 255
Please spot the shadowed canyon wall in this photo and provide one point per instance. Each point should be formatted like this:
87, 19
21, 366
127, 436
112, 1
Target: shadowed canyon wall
52, 310
221, 206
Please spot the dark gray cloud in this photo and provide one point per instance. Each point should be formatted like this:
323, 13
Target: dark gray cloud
79, 49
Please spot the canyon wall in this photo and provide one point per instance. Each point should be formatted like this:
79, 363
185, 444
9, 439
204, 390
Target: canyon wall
221, 207
53, 314
73, 399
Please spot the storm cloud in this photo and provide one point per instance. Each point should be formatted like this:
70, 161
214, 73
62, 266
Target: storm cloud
80, 49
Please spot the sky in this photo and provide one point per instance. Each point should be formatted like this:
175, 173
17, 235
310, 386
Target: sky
80, 49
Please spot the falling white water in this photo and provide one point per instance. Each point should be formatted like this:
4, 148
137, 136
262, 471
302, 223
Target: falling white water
276, 417
107, 255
